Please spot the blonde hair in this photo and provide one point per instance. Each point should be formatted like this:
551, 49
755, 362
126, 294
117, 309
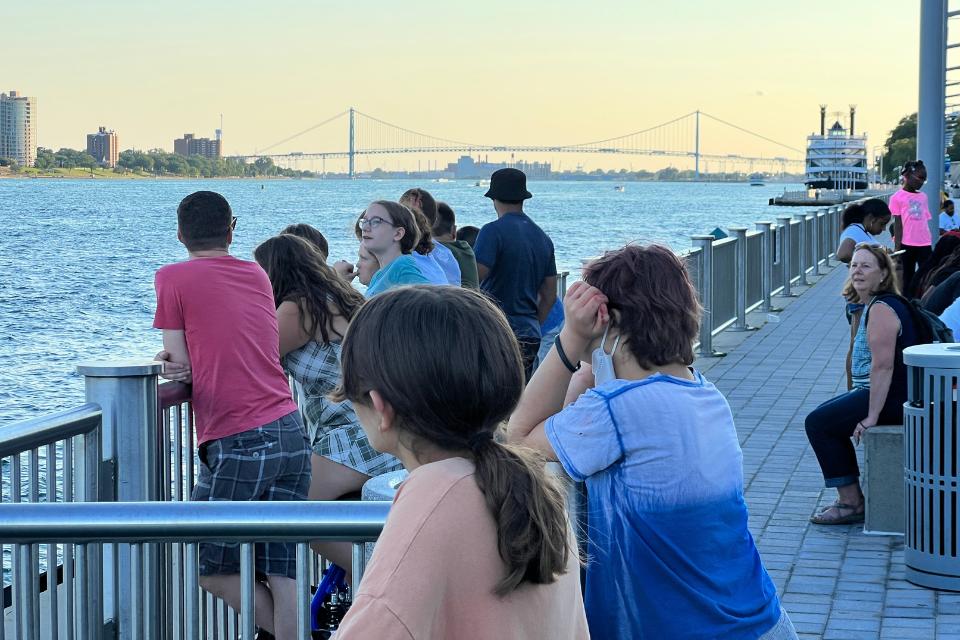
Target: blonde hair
889, 284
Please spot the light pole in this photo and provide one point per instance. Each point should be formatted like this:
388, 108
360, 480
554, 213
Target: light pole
874, 154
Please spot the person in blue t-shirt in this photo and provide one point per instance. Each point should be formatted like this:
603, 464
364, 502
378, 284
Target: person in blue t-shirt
389, 232
516, 264
669, 551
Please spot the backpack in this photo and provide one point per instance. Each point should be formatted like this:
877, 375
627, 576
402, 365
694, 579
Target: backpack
930, 328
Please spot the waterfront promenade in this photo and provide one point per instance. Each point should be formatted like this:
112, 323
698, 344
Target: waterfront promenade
835, 581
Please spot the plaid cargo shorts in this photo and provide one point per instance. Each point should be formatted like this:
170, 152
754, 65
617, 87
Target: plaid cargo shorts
271, 462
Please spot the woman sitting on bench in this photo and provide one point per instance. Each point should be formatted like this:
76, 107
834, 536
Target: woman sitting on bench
879, 383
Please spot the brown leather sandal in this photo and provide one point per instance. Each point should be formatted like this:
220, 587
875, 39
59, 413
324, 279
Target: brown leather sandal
852, 518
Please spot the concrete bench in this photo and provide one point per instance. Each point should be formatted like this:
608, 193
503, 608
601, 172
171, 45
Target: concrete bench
883, 479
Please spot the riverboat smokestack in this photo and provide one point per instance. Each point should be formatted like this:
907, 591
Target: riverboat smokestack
823, 119
853, 115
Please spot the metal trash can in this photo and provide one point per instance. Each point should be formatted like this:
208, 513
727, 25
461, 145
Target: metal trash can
930, 466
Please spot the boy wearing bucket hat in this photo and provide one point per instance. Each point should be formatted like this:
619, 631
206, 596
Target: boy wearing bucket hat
515, 263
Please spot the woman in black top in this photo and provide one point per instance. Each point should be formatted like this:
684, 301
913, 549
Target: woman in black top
879, 381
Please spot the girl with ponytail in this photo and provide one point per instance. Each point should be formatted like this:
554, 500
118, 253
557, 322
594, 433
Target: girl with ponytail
477, 544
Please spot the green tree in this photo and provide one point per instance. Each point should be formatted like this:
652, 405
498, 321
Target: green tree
901, 146
668, 175
45, 159
899, 153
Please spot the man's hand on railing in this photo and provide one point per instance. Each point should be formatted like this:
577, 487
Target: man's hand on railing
173, 370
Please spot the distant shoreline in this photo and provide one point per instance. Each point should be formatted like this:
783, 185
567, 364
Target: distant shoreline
86, 176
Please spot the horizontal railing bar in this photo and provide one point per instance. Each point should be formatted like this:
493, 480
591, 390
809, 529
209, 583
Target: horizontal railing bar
170, 394
137, 522
36, 432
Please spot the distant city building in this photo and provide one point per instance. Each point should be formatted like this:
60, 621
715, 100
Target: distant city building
189, 145
467, 167
104, 146
18, 128
534, 170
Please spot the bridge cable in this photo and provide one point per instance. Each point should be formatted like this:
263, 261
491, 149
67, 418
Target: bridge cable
277, 144
635, 133
423, 135
750, 132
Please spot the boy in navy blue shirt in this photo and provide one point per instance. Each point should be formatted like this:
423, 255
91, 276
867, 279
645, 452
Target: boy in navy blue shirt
515, 263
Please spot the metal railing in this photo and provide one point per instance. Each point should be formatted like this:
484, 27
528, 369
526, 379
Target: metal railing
742, 272
62, 456
140, 531
133, 442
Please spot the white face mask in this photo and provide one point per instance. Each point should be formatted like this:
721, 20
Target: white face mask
603, 362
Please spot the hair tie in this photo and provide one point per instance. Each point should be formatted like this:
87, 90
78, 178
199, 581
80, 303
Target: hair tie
474, 441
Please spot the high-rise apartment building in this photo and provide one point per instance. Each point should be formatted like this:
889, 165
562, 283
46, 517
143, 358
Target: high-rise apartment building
18, 128
104, 146
189, 145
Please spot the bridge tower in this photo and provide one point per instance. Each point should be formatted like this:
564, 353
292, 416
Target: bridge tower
696, 153
352, 151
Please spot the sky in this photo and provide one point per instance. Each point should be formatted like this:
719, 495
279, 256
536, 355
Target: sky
499, 72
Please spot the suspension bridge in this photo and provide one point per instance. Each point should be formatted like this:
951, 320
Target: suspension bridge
679, 137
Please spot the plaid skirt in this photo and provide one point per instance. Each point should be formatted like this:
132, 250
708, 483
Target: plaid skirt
338, 435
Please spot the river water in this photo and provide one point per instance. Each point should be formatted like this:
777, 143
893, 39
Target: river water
77, 257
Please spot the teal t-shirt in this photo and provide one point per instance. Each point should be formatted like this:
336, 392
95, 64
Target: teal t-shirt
401, 271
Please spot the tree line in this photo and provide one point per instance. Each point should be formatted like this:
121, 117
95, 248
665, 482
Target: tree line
901, 147
159, 162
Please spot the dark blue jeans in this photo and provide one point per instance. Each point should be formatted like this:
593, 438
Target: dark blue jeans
830, 427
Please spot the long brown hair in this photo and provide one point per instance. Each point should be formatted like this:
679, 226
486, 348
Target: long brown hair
447, 362
425, 245
655, 302
298, 273
949, 264
311, 234
421, 199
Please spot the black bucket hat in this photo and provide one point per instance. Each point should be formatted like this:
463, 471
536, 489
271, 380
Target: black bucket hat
508, 184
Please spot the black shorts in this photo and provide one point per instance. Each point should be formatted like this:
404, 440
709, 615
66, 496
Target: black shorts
271, 462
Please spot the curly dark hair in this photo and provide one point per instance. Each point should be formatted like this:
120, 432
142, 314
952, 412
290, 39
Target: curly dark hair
652, 302
298, 273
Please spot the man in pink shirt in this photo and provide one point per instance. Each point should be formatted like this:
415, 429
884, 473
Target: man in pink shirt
218, 317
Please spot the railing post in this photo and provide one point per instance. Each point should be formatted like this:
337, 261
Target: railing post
834, 228
802, 219
817, 241
126, 390
766, 262
783, 223
740, 233
705, 242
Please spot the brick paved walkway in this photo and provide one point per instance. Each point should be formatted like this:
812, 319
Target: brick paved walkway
835, 582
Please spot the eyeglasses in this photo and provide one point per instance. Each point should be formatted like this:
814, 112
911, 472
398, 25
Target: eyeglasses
868, 245
374, 222
233, 223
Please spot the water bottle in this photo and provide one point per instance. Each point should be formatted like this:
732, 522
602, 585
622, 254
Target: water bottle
772, 318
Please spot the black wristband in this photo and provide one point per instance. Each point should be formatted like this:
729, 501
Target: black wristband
564, 358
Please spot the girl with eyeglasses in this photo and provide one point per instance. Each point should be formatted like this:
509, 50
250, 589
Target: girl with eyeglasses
389, 233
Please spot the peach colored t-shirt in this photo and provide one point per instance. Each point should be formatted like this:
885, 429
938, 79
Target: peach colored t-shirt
436, 565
